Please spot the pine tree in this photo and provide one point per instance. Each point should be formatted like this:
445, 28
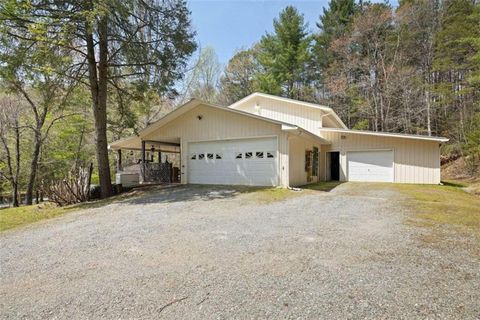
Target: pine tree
454, 63
283, 56
334, 23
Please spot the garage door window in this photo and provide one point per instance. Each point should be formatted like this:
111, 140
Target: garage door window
259, 154
193, 157
238, 155
210, 155
218, 156
248, 155
270, 154
201, 156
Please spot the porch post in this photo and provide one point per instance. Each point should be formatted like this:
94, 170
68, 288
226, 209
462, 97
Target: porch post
159, 156
143, 161
119, 160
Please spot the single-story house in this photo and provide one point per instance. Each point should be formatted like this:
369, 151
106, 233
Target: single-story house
267, 140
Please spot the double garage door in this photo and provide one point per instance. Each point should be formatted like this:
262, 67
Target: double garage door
234, 162
370, 166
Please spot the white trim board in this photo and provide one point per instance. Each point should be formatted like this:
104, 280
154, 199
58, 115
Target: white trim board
387, 134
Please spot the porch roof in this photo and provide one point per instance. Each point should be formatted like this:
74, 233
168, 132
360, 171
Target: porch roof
135, 143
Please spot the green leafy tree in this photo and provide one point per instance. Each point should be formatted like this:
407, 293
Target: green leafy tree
283, 56
32, 70
113, 43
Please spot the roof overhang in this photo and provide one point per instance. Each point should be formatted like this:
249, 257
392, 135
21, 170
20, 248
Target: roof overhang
306, 134
388, 134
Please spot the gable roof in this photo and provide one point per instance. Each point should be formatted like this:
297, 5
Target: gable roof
195, 103
326, 109
388, 134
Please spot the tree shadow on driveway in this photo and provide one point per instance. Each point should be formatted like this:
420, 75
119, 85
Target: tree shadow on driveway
184, 193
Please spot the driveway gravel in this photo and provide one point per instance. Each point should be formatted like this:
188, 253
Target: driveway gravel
196, 252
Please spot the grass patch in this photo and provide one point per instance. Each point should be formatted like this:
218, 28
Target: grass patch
325, 186
15, 217
444, 205
269, 195
471, 185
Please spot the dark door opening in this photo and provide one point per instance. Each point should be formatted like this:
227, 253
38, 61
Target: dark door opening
335, 166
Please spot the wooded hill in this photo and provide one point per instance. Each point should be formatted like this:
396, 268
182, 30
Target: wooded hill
78, 74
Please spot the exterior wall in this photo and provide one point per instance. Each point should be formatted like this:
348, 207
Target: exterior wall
218, 124
415, 161
323, 172
297, 148
305, 117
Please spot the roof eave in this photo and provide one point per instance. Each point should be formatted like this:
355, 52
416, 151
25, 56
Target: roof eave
387, 134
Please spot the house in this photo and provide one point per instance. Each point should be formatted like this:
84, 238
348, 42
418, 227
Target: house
267, 140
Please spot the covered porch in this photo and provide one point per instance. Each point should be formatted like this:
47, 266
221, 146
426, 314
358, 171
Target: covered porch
147, 161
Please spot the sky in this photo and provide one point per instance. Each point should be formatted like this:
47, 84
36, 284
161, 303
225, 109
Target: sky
230, 25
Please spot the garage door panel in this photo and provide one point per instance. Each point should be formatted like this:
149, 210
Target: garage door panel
370, 166
231, 170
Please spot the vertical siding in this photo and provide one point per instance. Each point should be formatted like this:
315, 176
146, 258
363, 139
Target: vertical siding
284, 165
305, 117
218, 124
416, 161
297, 148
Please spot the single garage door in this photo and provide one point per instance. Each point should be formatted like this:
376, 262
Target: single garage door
236, 162
370, 166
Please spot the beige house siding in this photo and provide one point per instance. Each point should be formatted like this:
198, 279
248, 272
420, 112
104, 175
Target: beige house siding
218, 124
415, 161
297, 148
307, 118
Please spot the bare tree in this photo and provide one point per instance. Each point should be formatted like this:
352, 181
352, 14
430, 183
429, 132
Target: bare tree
10, 133
203, 78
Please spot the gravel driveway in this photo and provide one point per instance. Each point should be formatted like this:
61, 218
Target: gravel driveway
213, 253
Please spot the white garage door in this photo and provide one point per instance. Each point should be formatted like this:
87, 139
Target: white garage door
370, 166
236, 162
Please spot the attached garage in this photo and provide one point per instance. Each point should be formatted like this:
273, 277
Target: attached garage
263, 143
367, 156
370, 166
234, 162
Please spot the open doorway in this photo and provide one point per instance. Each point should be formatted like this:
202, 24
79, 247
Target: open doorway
333, 166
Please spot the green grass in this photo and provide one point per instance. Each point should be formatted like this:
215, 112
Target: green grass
471, 185
15, 217
269, 195
325, 186
444, 205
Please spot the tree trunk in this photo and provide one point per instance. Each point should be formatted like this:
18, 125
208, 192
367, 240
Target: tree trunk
33, 169
17, 168
428, 105
98, 89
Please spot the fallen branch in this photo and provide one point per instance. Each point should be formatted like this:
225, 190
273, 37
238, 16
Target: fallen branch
171, 302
